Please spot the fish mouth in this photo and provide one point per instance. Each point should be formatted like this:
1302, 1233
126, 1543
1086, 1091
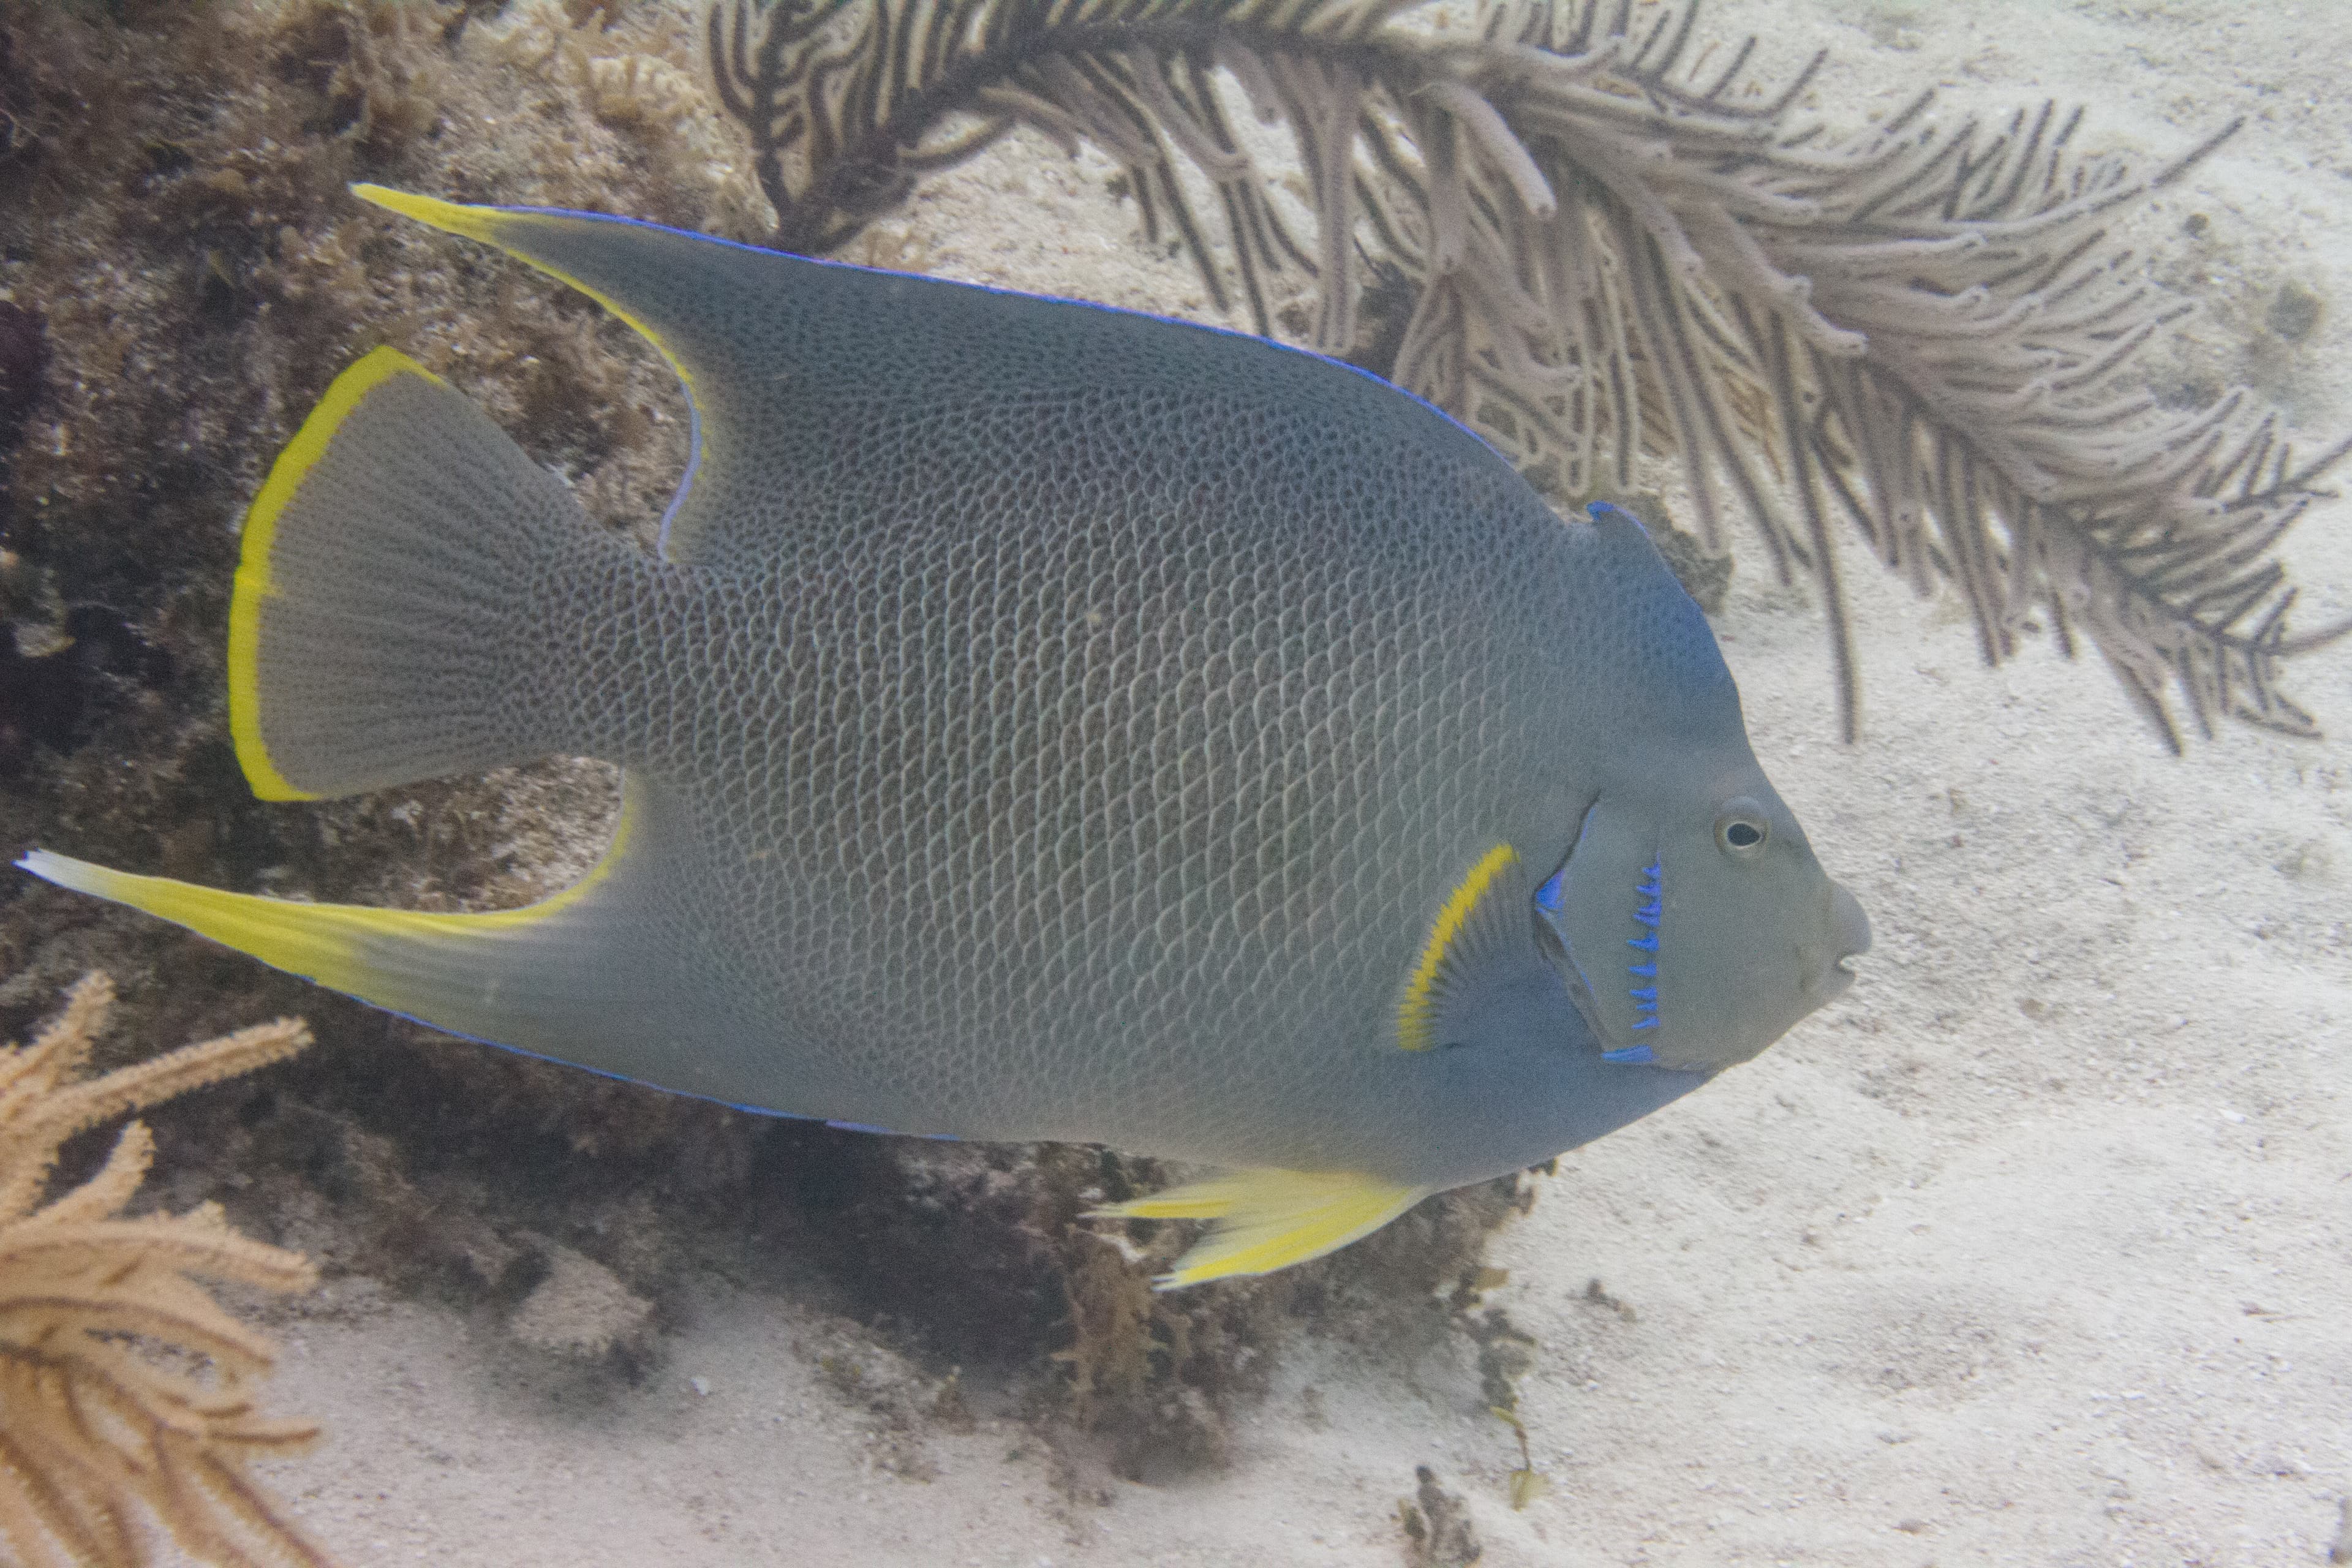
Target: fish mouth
1852, 940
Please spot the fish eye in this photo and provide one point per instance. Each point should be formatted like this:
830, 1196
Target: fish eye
1742, 830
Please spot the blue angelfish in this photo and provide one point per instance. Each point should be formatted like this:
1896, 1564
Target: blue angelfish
1040, 722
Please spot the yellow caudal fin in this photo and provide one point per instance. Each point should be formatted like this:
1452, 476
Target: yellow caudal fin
1480, 914
1269, 1220
393, 591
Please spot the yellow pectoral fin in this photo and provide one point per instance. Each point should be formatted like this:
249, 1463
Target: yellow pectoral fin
1417, 1010
1270, 1219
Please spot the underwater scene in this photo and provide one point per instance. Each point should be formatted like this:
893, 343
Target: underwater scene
994, 782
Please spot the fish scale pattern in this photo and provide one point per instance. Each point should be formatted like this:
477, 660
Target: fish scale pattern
1040, 722
1126, 816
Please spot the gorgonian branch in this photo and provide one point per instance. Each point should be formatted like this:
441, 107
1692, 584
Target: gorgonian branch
1577, 229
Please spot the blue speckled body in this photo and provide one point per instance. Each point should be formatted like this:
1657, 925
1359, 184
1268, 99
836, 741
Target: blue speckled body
1044, 722
1075, 721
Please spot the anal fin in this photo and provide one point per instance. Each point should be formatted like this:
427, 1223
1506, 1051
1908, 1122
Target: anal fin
565, 977
1266, 1219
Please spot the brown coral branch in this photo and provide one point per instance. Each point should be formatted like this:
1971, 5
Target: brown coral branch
57, 1113
1610, 256
94, 1428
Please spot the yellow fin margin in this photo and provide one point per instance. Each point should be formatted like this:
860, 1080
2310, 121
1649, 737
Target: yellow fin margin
318, 942
1269, 1220
254, 588
451, 218
498, 226
1417, 1011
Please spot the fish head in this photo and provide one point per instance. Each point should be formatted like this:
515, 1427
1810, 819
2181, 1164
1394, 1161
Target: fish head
1693, 927
1691, 921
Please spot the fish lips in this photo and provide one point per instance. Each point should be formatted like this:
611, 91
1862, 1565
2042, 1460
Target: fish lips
1827, 979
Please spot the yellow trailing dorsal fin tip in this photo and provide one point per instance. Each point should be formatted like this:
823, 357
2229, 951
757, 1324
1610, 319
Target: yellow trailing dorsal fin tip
450, 217
1266, 1219
510, 229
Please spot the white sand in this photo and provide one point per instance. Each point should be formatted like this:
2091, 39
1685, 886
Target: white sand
2032, 1250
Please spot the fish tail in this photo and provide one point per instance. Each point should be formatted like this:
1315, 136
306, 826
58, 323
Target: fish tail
382, 615
1267, 1219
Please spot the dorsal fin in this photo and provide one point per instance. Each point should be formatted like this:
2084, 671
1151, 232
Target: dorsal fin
1486, 910
807, 376
693, 298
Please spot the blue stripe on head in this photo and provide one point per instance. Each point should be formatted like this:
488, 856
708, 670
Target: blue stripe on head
1552, 894
1649, 912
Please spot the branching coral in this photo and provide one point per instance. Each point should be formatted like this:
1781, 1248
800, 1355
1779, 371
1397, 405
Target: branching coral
1614, 246
95, 1421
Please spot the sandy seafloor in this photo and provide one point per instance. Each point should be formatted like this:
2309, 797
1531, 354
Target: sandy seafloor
2034, 1248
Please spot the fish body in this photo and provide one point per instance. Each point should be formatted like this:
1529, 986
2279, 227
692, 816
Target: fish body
1040, 722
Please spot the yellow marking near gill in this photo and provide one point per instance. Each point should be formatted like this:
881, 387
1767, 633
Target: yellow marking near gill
319, 941
253, 586
1416, 1014
502, 227
1269, 1220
